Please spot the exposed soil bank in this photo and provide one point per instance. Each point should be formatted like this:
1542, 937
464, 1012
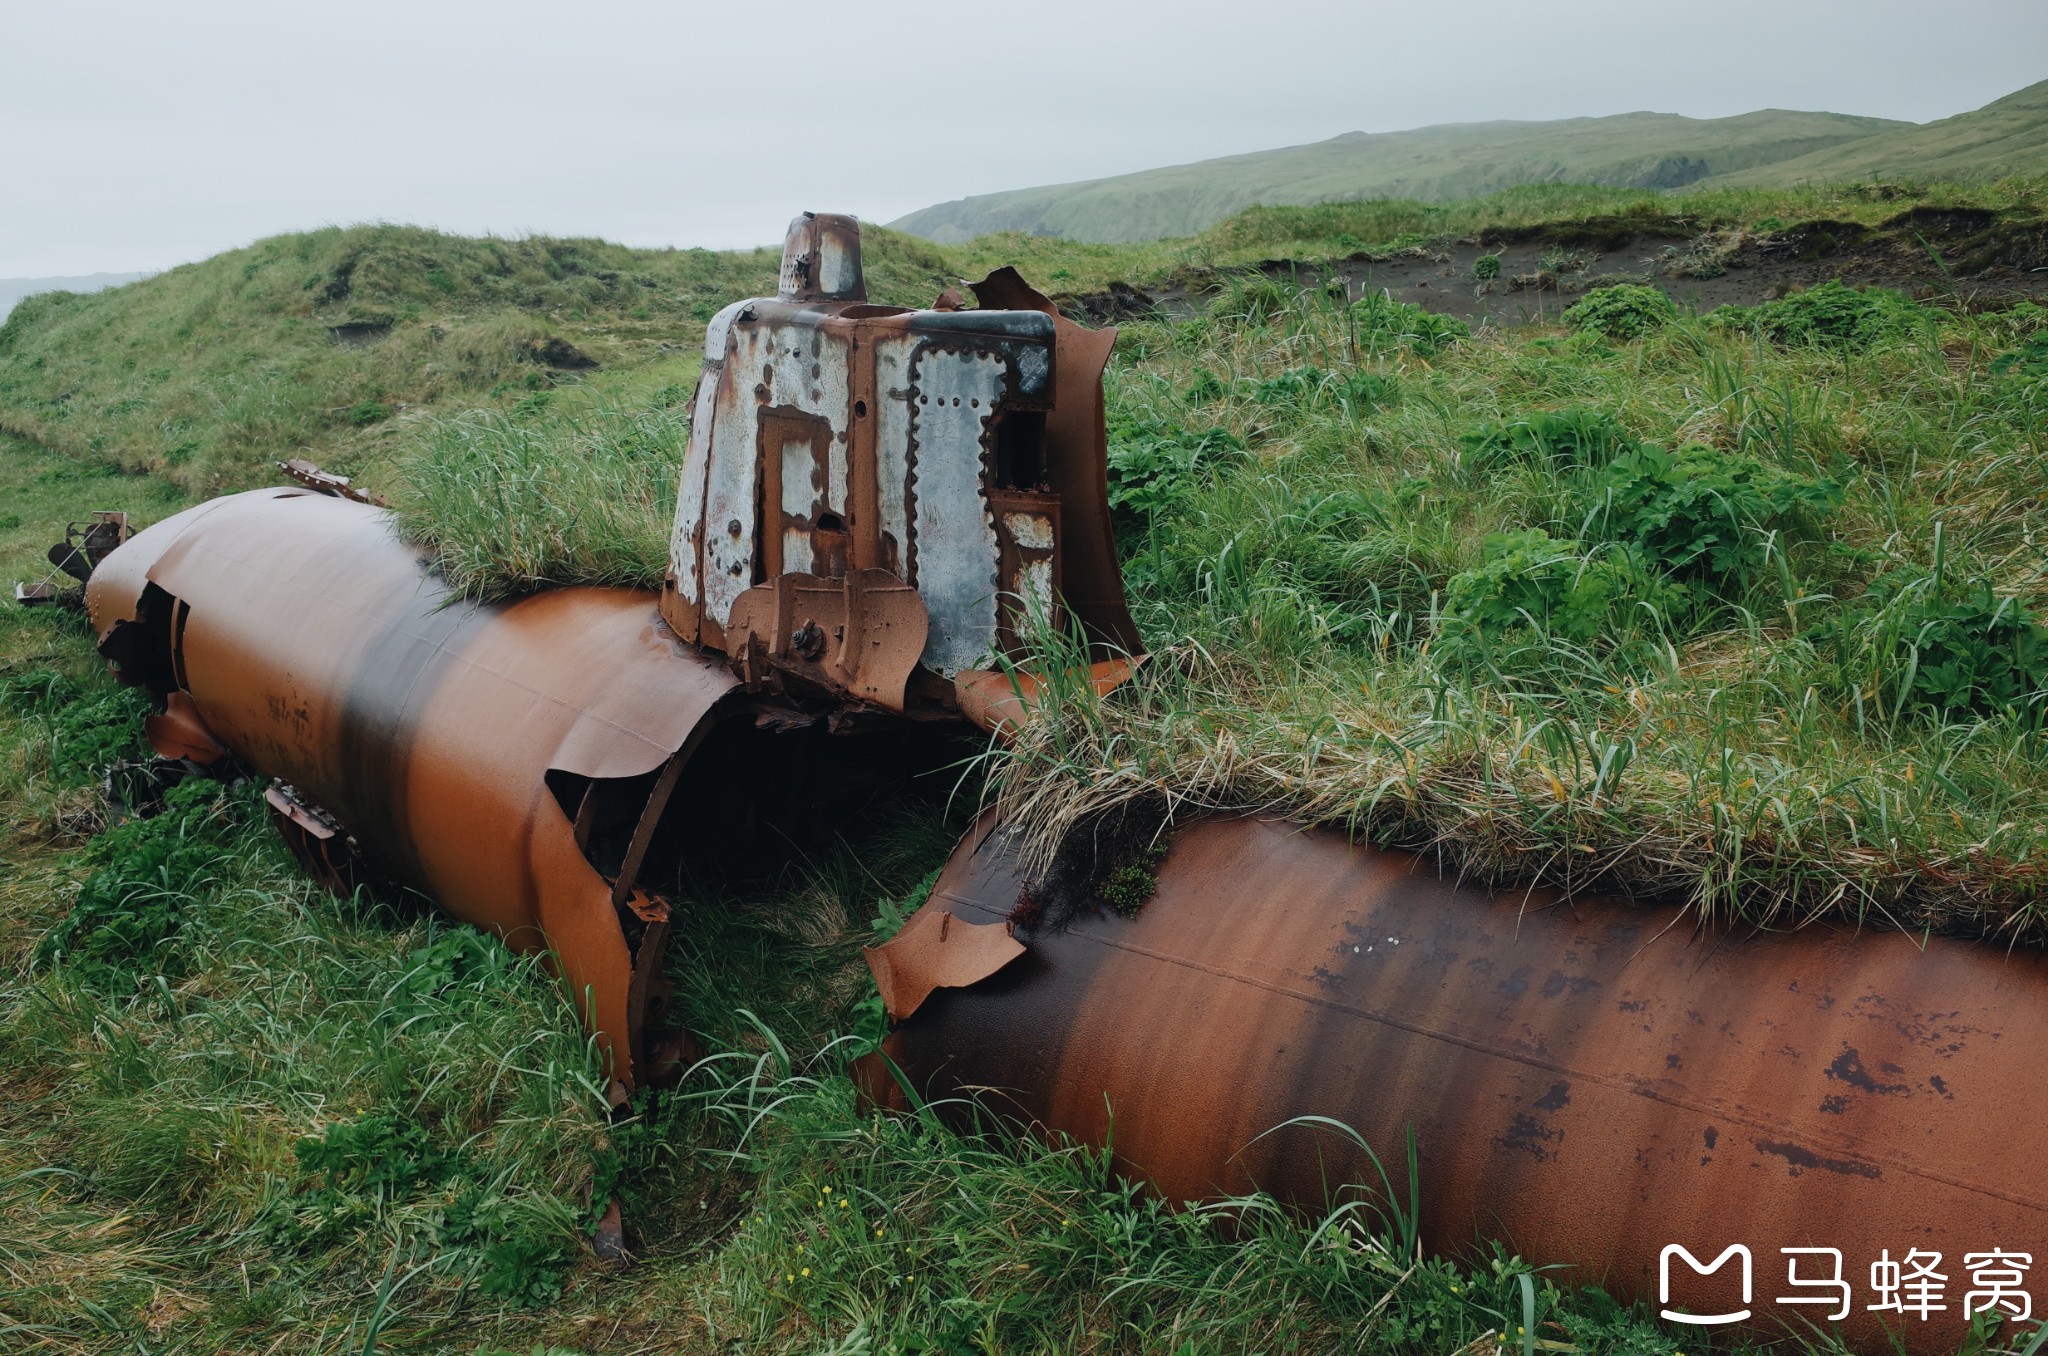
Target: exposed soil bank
1966, 257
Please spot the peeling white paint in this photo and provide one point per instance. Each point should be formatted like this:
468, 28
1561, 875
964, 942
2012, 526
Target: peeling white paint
1036, 588
838, 267
1032, 531
683, 565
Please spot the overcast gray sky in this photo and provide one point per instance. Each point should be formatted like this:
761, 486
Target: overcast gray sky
141, 135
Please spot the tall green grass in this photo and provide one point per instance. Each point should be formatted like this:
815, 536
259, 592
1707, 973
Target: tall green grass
1752, 726
580, 492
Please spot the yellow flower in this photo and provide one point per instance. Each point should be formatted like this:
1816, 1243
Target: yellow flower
842, 1202
807, 1271
789, 1275
878, 1231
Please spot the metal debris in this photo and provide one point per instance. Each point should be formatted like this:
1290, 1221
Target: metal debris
870, 491
326, 482
937, 951
1582, 1079
870, 495
85, 545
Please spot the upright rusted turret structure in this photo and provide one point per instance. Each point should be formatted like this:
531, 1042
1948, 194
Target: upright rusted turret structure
875, 499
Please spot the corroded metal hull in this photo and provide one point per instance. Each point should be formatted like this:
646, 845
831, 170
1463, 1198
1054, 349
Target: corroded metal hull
1589, 1082
468, 751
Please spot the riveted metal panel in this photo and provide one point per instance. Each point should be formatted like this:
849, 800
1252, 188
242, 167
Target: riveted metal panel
892, 448
954, 562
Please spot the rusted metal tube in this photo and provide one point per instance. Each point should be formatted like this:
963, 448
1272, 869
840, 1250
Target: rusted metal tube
1591, 1082
481, 754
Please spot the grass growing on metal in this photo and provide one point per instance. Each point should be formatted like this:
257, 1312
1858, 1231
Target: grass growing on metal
578, 492
1753, 622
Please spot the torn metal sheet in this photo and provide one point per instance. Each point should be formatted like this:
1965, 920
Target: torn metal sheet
1000, 700
936, 950
1583, 1079
177, 732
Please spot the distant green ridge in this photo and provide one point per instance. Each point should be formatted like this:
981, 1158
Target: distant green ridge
2008, 136
1432, 164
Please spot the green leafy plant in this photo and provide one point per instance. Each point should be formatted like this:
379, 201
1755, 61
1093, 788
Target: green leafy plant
367, 412
1377, 319
145, 873
1153, 463
36, 691
1832, 316
2029, 360
1914, 644
1206, 388
359, 1167
1307, 389
1562, 439
1533, 588
1486, 267
1624, 311
1698, 512
89, 732
378, 1149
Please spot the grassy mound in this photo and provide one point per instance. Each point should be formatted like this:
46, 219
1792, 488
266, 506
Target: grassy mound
331, 343
337, 344
1748, 613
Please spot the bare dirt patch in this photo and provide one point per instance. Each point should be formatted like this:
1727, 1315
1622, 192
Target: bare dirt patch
1962, 256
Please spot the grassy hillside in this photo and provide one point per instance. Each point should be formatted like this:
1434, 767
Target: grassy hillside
2008, 136
335, 344
331, 342
1455, 161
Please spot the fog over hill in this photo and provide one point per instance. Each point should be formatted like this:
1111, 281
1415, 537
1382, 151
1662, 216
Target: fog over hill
2006, 136
1463, 160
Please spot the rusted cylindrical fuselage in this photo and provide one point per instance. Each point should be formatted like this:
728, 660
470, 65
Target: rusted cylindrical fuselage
480, 753
1590, 1083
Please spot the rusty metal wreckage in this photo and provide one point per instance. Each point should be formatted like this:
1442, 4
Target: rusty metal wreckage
873, 502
